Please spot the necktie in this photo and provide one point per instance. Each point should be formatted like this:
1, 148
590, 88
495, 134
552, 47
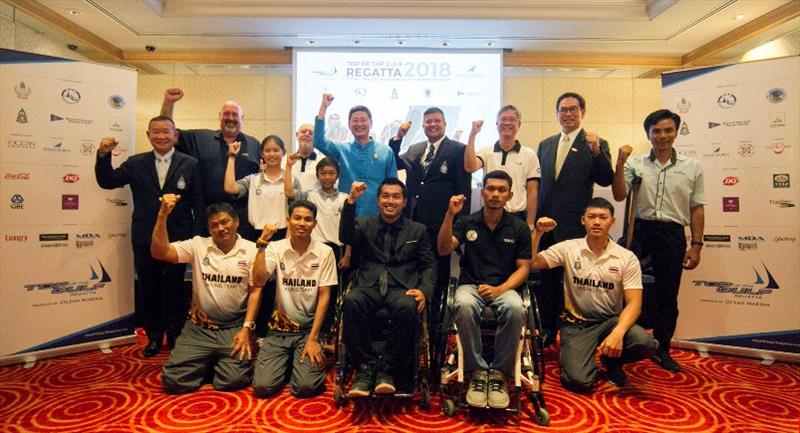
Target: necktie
563, 150
161, 170
429, 157
383, 280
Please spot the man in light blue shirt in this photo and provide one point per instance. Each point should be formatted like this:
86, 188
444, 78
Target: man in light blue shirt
363, 160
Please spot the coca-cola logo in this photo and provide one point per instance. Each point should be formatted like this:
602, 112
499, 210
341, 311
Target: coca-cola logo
18, 176
71, 178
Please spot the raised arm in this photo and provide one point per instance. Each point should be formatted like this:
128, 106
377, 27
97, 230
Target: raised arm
260, 272
324, 145
230, 186
471, 162
288, 180
347, 229
543, 225
395, 144
602, 174
107, 177
446, 242
160, 248
618, 186
171, 96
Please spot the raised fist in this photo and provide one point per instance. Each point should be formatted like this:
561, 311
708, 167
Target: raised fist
107, 144
476, 126
402, 130
173, 95
456, 204
624, 152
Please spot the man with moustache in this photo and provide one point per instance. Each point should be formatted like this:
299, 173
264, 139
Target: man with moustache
211, 149
161, 295
572, 161
363, 160
396, 270
496, 260
434, 173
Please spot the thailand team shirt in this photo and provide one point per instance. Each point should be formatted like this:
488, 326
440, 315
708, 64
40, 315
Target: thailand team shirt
299, 278
220, 281
594, 286
521, 163
667, 193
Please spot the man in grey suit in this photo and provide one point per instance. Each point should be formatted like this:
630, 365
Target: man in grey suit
571, 161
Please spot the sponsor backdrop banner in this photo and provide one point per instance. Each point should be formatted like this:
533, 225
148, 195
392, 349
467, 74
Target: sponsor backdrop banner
66, 267
741, 122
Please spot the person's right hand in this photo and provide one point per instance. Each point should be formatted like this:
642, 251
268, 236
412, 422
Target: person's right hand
402, 129
624, 152
476, 127
545, 224
327, 99
107, 144
168, 202
267, 232
456, 204
357, 189
173, 95
292, 158
234, 147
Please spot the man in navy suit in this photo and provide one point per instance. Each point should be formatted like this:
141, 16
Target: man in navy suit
434, 173
571, 161
151, 174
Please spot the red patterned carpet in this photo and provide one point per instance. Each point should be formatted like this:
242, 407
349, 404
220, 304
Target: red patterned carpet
121, 392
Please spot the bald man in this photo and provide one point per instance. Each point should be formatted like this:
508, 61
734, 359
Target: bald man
305, 168
211, 148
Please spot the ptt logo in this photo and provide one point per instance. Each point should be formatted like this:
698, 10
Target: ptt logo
756, 288
56, 288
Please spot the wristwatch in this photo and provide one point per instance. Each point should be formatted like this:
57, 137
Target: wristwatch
532, 227
261, 244
697, 243
249, 325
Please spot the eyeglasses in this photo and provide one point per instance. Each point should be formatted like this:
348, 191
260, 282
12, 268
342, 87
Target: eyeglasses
573, 109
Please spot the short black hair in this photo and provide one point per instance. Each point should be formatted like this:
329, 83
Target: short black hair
358, 108
433, 110
161, 119
659, 115
510, 107
222, 206
498, 174
328, 162
581, 101
392, 181
276, 139
600, 203
303, 203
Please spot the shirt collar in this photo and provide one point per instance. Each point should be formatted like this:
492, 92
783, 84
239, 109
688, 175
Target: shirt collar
515, 148
572, 135
312, 156
610, 251
237, 247
396, 226
672, 159
265, 179
167, 157
325, 195
437, 142
504, 220
311, 250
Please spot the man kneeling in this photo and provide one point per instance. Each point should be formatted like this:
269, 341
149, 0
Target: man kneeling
602, 300
223, 284
306, 272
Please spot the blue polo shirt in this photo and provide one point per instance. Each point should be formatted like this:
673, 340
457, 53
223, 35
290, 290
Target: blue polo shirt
370, 163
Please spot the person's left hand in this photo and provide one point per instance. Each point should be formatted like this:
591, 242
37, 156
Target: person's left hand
593, 140
488, 292
692, 258
419, 297
612, 345
313, 350
242, 344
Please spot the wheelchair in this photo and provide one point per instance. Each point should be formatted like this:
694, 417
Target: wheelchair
529, 368
406, 386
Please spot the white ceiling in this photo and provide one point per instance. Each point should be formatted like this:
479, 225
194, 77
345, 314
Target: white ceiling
625, 27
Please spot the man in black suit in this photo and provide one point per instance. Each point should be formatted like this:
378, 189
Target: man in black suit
396, 270
211, 150
151, 174
434, 173
571, 161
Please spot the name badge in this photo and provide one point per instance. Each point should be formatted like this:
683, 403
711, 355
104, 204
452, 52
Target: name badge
181, 183
443, 168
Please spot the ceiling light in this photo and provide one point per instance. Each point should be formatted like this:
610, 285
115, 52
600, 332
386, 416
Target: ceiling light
488, 44
445, 44
399, 42
737, 17
311, 42
72, 11
355, 42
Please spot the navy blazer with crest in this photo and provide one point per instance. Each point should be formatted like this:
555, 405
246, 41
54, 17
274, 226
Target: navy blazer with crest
564, 199
139, 171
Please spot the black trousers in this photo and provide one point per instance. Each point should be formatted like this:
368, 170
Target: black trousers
550, 295
360, 305
665, 242
164, 296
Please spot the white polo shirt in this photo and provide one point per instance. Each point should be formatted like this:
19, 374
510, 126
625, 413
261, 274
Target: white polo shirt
667, 192
329, 211
594, 286
266, 199
521, 163
220, 281
299, 279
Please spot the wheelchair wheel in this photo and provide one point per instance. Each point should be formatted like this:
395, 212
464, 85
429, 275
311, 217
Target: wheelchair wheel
448, 407
542, 417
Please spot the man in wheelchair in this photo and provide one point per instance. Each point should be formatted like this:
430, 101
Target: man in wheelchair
497, 252
602, 300
396, 270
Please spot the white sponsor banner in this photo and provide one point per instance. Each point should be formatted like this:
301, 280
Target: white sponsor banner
66, 267
741, 122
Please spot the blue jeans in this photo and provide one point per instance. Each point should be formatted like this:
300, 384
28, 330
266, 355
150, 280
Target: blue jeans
510, 318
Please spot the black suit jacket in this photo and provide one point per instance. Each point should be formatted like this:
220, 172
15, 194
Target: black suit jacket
412, 265
139, 171
565, 198
429, 192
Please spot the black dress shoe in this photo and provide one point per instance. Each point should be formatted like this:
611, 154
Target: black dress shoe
152, 349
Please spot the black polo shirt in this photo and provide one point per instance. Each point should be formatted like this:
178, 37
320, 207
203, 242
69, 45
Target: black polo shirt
490, 256
210, 148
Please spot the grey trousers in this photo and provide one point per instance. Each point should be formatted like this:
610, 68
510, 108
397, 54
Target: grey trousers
578, 344
272, 361
198, 349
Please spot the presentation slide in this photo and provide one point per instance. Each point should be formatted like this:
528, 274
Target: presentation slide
398, 85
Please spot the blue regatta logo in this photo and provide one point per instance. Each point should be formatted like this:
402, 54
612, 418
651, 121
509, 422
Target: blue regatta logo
759, 287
